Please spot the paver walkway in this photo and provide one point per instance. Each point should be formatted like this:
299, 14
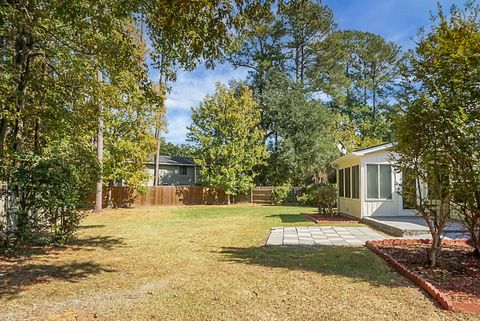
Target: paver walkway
333, 236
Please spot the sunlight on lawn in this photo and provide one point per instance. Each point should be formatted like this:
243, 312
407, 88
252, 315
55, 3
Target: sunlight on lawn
199, 263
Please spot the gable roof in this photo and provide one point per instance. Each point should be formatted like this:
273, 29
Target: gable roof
362, 152
173, 160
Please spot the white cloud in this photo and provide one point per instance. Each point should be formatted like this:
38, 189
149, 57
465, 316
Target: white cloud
177, 127
188, 91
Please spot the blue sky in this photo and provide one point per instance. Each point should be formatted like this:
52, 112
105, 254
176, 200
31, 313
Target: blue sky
395, 20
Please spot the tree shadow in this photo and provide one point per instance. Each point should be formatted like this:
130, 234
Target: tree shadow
28, 267
91, 243
86, 243
92, 226
291, 218
351, 262
14, 278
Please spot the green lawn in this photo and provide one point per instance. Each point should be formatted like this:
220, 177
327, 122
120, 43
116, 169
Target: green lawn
204, 263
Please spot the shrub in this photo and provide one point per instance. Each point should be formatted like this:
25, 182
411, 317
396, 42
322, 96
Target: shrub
44, 192
280, 193
327, 199
323, 196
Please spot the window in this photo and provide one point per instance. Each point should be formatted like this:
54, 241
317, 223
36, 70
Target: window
379, 181
183, 170
356, 182
347, 182
340, 183
385, 181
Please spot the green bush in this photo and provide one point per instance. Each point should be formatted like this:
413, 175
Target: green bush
327, 199
44, 192
323, 196
280, 194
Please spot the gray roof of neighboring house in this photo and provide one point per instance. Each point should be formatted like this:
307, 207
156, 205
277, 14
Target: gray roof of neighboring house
174, 160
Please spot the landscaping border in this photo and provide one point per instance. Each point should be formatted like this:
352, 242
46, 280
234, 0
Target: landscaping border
346, 220
436, 294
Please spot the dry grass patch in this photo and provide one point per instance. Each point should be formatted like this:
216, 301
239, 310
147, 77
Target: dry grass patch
204, 263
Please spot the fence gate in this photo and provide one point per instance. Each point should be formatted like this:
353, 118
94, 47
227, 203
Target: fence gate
262, 195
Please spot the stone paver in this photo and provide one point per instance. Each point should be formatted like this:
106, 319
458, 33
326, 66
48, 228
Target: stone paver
334, 236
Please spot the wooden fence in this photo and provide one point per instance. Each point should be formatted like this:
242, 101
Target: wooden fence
184, 195
262, 195
165, 196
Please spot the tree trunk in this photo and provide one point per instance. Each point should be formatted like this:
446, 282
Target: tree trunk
99, 193
109, 194
476, 245
228, 199
434, 250
3, 133
158, 129
157, 157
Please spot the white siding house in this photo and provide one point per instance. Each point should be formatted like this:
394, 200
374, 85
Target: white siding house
368, 184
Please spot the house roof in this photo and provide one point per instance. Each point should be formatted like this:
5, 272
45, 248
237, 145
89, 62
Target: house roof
361, 152
372, 149
173, 160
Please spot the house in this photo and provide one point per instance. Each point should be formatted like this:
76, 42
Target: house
368, 185
174, 170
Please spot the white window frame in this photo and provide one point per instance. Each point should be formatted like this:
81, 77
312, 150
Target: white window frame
392, 183
351, 180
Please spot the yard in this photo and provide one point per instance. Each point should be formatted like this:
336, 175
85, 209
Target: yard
205, 263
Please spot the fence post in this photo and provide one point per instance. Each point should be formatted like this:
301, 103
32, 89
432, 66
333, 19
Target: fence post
251, 195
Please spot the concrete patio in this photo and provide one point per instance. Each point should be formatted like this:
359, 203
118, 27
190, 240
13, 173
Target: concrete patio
402, 226
339, 236
323, 235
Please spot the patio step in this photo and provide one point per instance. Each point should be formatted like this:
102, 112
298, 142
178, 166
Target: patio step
407, 225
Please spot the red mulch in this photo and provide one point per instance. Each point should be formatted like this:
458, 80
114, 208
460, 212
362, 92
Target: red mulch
327, 219
457, 273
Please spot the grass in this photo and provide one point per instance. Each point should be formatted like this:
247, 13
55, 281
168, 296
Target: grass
204, 263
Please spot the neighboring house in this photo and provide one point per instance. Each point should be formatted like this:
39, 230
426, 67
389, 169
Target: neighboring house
368, 184
174, 170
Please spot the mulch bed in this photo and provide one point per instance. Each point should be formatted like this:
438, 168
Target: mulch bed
456, 277
327, 219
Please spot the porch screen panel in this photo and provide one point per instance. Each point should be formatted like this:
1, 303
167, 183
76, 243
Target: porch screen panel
348, 184
340, 183
386, 181
356, 182
372, 181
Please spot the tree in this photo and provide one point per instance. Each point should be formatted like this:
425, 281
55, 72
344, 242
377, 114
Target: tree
438, 135
304, 140
285, 51
371, 72
421, 157
183, 150
225, 131
186, 33
54, 52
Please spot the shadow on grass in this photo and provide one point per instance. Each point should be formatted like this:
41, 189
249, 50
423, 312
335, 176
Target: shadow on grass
291, 218
14, 278
86, 227
28, 266
91, 243
351, 262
